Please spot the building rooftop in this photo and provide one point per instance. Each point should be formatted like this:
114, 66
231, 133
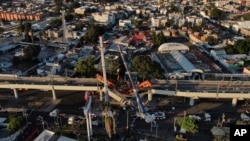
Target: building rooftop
46, 135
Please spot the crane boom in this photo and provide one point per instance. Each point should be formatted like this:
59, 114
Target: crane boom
142, 112
104, 71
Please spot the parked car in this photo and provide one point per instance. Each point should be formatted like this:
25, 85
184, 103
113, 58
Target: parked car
160, 115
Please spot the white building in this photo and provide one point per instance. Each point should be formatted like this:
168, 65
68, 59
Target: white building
50, 68
123, 23
107, 18
158, 21
194, 20
46, 135
80, 10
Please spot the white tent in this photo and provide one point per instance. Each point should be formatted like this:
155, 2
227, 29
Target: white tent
207, 117
218, 131
245, 117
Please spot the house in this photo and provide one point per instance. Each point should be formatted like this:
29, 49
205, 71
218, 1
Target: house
137, 39
52, 67
123, 23
81, 10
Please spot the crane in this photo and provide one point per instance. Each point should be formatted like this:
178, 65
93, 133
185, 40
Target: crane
104, 71
142, 113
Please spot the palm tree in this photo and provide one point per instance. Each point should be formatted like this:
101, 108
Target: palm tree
40, 34
31, 35
20, 28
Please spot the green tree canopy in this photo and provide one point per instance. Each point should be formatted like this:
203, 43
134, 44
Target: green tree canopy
211, 40
216, 13
146, 68
16, 122
158, 39
86, 67
188, 124
139, 24
69, 17
55, 22
1, 30
93, 32
111, 65
15, 61
26, 27
242, 46
239, 47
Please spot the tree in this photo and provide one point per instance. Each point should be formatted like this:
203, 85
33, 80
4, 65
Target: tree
242, 46
111, 65
20, 28
211, 40
216, 13
69, 17
139, 24
86, 67
1, 30
146, 68
31, 52
55, 22
188, 124
80, 42
16, 122
73, 5
15, 61
173, 8
93, 32
158, 39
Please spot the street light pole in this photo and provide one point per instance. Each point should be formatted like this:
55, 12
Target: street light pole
127, 119
156, 131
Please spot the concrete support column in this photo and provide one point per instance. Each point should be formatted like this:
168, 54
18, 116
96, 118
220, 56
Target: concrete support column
150, 95
101, 95
191, 101
234, 102
54, 94
15, 93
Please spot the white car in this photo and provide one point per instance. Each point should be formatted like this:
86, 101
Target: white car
198, 118
160, 115
54, 113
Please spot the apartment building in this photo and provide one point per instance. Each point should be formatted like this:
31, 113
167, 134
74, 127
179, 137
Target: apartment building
107, 18
158, 21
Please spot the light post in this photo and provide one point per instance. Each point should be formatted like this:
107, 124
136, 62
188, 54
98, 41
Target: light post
25, 115
127, 119
87, 113
55, 115
40, 118
176, 85
151, 128
174, 125
156, 131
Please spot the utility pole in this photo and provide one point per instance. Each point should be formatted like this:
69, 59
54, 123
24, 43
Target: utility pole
64, 27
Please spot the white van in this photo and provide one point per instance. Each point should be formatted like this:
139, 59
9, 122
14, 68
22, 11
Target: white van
71, 120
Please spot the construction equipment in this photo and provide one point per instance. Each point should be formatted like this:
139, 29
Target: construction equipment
141, 110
